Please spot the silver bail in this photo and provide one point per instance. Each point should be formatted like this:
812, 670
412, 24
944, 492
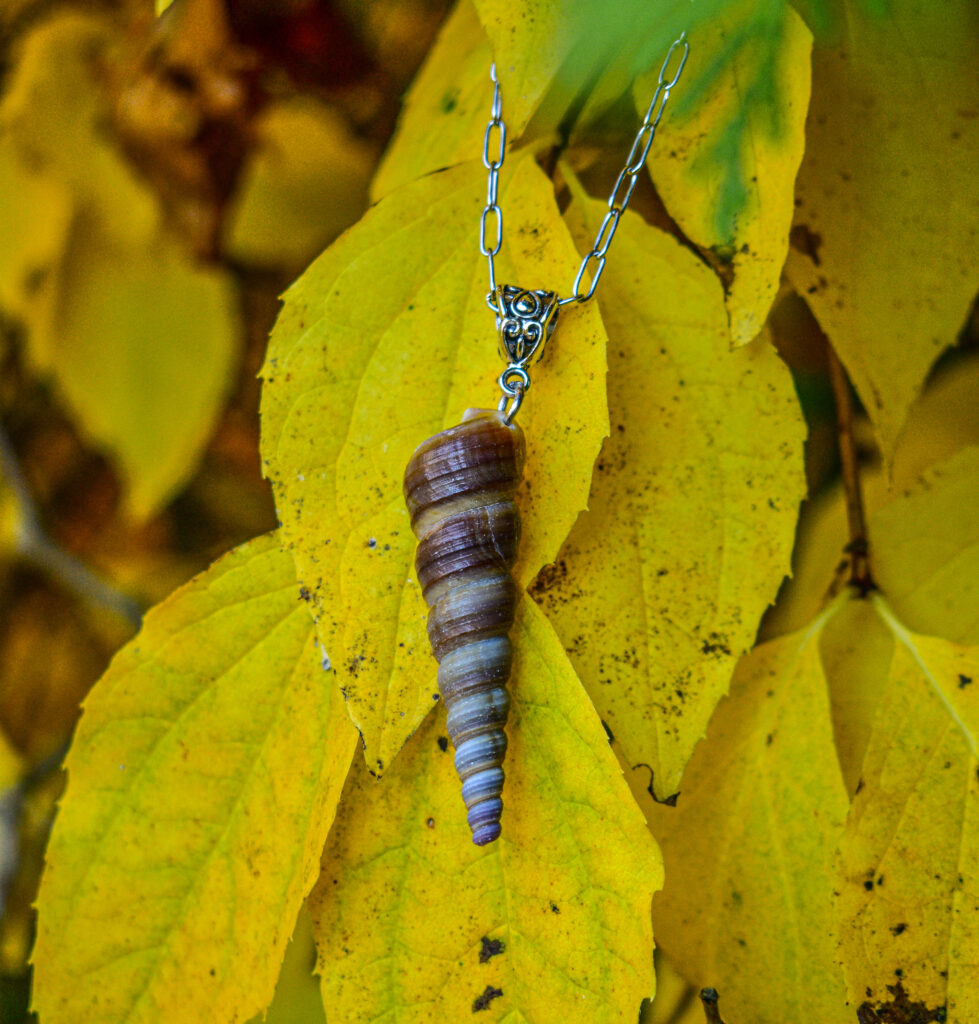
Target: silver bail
525, 319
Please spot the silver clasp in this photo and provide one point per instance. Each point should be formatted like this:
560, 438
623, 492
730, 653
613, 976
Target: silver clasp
525, 319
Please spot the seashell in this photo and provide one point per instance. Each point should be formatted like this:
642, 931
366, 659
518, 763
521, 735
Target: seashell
459, 488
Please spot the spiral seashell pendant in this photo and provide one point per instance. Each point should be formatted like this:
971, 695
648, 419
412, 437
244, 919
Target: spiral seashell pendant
459, 487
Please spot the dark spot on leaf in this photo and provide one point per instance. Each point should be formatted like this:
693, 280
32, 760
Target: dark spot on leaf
430, 822
555, 909
859, 787
304, 594
213, 972
550, 576
807, 242
489, 994
443, 742
899, 928
715, 645
490, 948
964, 681
372, 542
448, 102
608, 731
868, 886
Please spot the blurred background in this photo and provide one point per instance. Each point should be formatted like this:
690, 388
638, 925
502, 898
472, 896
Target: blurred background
165, 173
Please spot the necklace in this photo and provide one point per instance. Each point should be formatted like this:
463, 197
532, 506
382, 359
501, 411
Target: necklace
460, 485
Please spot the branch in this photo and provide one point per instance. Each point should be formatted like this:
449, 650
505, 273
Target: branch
36, 548
858, 547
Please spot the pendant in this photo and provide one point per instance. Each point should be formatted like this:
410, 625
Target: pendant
459, 487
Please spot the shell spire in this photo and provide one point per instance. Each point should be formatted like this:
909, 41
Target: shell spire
459, 488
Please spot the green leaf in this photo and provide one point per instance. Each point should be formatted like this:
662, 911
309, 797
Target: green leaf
384, 341
551, 922
202, 782
661, 584
738, 202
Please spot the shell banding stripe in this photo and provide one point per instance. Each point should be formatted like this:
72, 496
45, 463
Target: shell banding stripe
459, 488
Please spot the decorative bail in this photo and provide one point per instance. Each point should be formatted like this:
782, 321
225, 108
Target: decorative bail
525, 319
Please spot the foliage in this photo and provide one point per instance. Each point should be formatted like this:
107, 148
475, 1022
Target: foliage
797, 786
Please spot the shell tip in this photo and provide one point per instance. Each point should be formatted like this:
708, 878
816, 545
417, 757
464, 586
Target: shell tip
487, 833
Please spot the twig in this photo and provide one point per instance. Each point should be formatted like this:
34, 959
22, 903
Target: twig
34, 546
709, 998
858, 547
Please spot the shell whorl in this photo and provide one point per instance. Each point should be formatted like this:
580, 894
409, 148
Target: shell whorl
459, 488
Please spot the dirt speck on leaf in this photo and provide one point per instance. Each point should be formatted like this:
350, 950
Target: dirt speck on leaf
899, 1010
490, 948
489, 994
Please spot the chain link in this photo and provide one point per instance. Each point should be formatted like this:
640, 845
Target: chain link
594, 260
493, 166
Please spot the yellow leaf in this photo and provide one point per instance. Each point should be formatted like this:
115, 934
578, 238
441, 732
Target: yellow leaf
749, 847
943, 420
909, 883
141, 347
383, 342
11, 522
926, 546
853, 645
138, 338
690, 522
297, 993
203, 779
35, 213
550, 923
305, 183
446, 109
888, 212
675, 1001
55, 114
11, 767
530, 42
690, 183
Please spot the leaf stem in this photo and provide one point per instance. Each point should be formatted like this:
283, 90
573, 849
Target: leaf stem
35, 547
709, 998
858, 547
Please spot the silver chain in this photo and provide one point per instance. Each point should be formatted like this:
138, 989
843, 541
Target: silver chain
618, 199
